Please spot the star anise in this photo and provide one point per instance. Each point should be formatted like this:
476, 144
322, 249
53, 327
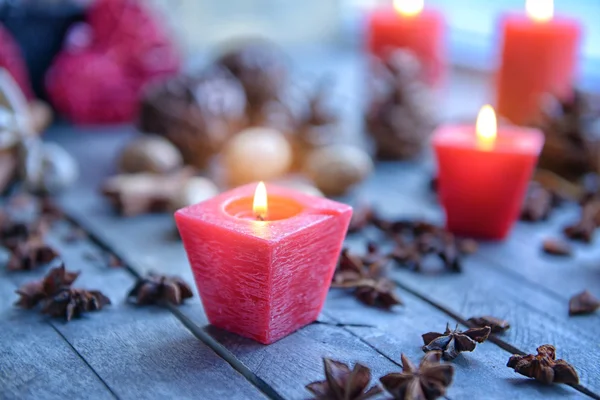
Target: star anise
156, 289
33, 292
369, 286
144, 193
557, 247
583, 303
13, 232
537, 204
454, 342
497, 325
544, 366
69, 303
30, 254
589, 220
427, 382
342, 383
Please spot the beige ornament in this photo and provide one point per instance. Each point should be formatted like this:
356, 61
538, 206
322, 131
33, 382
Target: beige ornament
150, 153
335, 169
196, 190
256, 154
301, 186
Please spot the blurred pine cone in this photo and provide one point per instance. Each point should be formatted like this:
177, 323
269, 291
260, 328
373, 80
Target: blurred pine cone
196, 113
401, 116
572, 130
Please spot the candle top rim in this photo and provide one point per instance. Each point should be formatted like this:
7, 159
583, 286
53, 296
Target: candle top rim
509, 139
522, 18
314, 210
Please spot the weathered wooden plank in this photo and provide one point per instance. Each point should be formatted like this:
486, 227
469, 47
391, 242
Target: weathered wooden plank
142, 352
480, 374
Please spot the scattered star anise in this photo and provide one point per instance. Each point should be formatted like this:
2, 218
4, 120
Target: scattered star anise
14, 232
342, 383
369, 286
583, 303
30, 254
454, 342
497, 325
589, 220
33, 292
427, 382
69, 303
156, 289
544, 366
557, 247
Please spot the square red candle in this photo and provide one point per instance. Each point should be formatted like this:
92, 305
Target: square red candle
483, 177
263, 279
408, 25
539, 56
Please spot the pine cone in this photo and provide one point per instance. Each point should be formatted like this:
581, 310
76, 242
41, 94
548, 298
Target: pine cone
262, 70
572, 129
401, 117
197, 114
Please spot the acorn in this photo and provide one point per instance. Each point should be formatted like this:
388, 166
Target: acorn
335, 169
150, 153
255, 154
195, 190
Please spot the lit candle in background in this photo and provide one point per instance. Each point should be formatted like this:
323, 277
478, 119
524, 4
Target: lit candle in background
263, 263
411, 26
539, 55
483, 174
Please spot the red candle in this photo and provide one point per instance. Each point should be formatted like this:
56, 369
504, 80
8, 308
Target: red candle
408, 25
483, 177
539, 55
263, 272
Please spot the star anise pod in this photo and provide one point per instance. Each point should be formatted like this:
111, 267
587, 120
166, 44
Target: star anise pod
13, 232
544, 366
156, 289
33, 292
537, 204
454, 342
341, 383
557, 247
497, 325
69, 303
583, 303
589, 220
369, 286
427, 382
31, 254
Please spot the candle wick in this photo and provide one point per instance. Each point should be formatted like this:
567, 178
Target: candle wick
260, 217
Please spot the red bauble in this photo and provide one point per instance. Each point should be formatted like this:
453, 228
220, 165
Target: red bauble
89, 87
128, 31
12, 60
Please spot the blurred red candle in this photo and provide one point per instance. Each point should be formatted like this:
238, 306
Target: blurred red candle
539, 55
408, 25
263, 268
483, 174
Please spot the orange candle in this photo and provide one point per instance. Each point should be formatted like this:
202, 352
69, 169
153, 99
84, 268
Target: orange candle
408, 25
539, 55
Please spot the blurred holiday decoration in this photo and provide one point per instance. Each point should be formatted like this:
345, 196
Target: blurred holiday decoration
401, 116
12, 60
99, 75
261, 68
572, 129
150, 154
42, 167
259, 153
198, 114
195, 190
335, 169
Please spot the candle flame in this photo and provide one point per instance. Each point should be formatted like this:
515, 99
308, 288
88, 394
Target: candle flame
540, 10
487, 126
409, 7
259, 206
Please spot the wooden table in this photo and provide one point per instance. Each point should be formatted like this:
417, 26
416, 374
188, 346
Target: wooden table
136, 353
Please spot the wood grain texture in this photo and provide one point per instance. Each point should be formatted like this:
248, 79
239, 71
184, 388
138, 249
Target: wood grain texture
480, 374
